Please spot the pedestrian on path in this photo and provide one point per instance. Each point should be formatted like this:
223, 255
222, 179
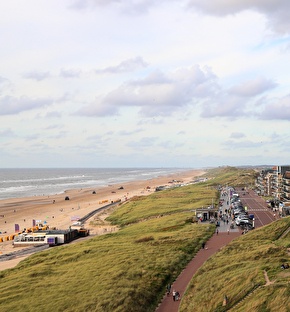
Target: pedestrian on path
203, 245
177, 296
173, 295
217, 231
168, 288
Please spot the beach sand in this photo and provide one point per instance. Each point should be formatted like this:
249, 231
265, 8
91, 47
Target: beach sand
58, 212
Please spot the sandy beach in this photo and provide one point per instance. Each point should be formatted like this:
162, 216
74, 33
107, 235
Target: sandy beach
59, 213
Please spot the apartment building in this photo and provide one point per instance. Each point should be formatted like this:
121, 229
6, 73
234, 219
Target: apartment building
275, 182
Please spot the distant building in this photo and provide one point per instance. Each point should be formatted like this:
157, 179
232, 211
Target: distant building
275, 182
286, 186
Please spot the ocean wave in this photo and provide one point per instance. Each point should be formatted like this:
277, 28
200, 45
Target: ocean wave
31, 182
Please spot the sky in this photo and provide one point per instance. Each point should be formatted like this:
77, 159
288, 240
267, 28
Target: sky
143, 83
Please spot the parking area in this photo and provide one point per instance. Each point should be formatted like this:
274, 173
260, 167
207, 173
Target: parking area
258, 207
242, 210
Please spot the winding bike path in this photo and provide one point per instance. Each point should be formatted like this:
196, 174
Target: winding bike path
214, 244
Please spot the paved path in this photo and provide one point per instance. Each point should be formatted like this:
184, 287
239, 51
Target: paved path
215, 243
263, 216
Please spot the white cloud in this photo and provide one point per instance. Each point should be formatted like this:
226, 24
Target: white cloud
37, 75
53, 114
6, 133
237, 135
276, 11
158, 94
4, 84
125, 6
129, 65
223, 105
2, 80
12, 105
252, 87
125, 66
70, 73
278, 109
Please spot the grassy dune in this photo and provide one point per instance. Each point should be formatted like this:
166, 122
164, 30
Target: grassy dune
238, 272
129, 269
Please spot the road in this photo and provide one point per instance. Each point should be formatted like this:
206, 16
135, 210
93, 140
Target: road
258, 207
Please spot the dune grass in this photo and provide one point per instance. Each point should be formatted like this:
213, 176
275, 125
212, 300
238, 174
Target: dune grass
127, 270
122, 271
172, 201
238, 272
236, 177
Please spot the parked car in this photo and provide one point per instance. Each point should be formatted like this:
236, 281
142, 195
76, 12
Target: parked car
241, 212
246, 222
237, 205
238, 209
242, 220
241, 216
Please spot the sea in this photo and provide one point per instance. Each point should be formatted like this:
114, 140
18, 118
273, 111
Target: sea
24, 182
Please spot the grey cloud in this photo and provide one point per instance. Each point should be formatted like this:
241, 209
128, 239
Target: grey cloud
70, 73
237, 135
277, 109
276, 11
32, 137
143, 143
84, 4
240, 144
36, 75
5, 84
151, 121
3, 80
223, 105
125, 6
125, 133
97, 137
11, 105
171, 145
125, 66
109, 133
161, 97
53, 127
154, 78
98, 109
274, 136
7, 133
59, 135
53, 114
253, 87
